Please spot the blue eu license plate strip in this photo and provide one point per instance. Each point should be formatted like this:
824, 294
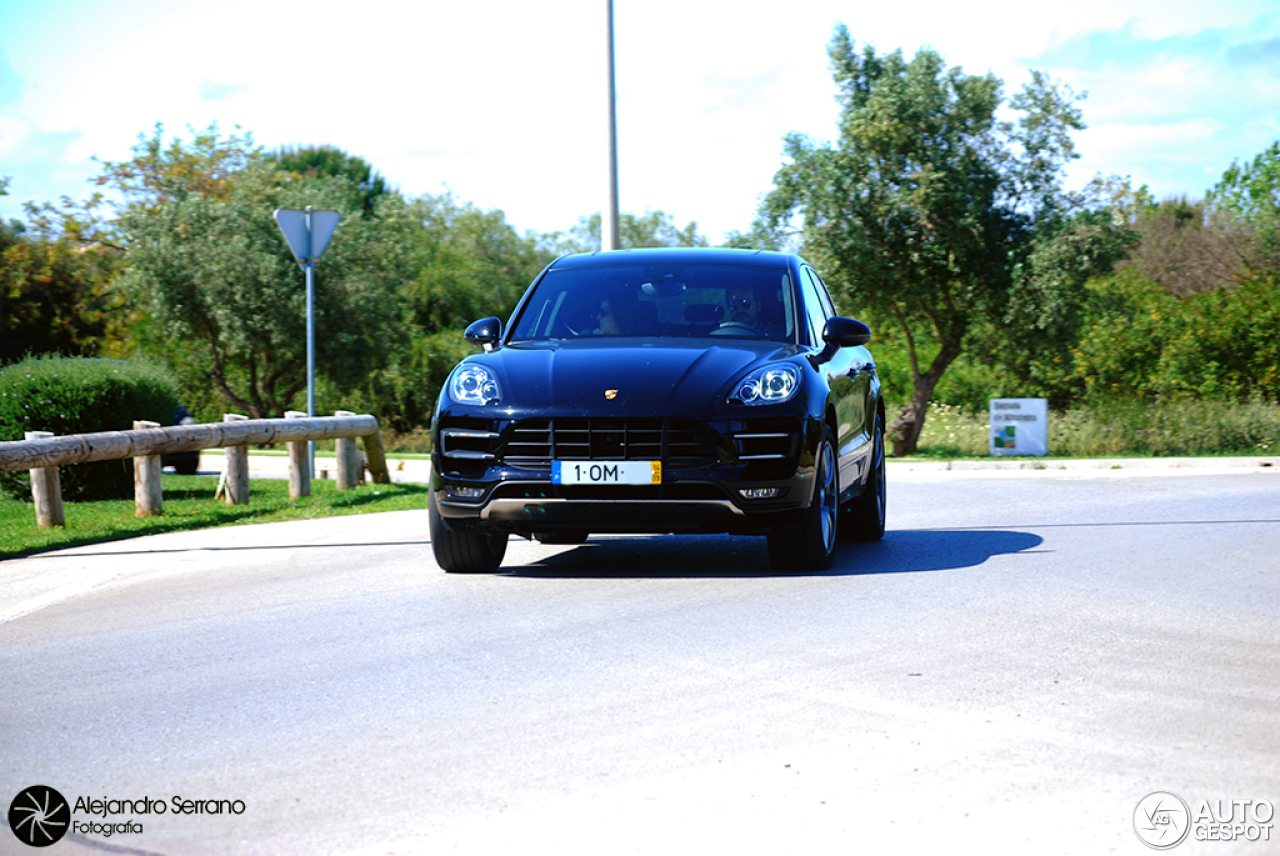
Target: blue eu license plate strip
606, 472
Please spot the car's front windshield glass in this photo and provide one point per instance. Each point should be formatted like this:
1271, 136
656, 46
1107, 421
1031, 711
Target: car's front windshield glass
660, 300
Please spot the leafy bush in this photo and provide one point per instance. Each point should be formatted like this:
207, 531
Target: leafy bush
82, 396
1130, 429
1143, 343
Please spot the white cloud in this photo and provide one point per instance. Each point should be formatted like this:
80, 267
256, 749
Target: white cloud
503, 102
1174, 99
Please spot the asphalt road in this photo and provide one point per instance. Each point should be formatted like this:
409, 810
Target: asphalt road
1019, 662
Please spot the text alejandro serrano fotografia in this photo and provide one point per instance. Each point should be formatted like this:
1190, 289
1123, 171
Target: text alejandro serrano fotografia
105, 807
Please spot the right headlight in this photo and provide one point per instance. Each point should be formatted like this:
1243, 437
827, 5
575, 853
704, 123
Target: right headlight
769, 385
473, 383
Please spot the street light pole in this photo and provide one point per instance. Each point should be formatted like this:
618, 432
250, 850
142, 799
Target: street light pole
609, 221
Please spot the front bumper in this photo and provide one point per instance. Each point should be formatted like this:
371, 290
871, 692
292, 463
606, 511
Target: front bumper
495, 474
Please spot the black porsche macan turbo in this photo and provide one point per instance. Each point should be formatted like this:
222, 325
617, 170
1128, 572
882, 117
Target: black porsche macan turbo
659, 391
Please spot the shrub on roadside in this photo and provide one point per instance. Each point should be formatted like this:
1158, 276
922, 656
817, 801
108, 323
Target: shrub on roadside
1142, 343
1183, 428
67, 395
1112, 429
954, 432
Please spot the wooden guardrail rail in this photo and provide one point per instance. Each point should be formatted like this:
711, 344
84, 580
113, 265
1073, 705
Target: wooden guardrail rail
43, 453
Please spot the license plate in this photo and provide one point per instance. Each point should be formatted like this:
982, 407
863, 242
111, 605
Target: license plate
606, 472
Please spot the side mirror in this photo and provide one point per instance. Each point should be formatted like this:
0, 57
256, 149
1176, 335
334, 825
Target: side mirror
840, 332
845, 332
485, 333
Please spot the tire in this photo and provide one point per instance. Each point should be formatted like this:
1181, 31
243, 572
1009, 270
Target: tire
863, 519
566, 536
812, 546
463, 552
187, 467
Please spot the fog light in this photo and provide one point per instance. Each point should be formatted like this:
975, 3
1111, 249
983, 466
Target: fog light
464, 492
761, 492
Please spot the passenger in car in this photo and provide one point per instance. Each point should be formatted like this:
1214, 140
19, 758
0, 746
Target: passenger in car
744, 308
607, 320
619, 315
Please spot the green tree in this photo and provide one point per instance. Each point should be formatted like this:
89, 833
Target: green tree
192, 268
53, 294
225, 295
206, 166
1034, 338
922, 210
312, 161
1250, 192
651, 229
462, 263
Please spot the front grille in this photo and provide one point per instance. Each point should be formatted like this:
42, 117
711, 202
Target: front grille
535, 443
769, 448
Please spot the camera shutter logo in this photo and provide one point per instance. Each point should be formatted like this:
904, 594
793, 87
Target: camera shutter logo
1162, 820
39, 816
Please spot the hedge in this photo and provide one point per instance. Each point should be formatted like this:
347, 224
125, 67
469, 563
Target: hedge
67, 395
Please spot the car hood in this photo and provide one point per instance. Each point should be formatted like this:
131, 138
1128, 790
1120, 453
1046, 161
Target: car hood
651, 377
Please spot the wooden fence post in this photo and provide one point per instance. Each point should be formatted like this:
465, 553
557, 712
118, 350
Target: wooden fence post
235, 490
348, 475
148, 493
46, 491
299, 471
376, 458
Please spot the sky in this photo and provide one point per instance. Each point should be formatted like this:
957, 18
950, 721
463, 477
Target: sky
503, 103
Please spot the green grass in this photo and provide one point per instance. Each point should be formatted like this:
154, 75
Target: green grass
189, 504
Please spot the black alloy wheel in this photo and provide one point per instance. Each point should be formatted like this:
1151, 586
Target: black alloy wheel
812, 546
863, 519
463, 552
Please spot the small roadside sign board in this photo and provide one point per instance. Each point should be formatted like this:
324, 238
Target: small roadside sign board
307, 244
1019, 426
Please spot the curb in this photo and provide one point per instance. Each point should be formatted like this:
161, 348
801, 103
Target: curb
1093, 466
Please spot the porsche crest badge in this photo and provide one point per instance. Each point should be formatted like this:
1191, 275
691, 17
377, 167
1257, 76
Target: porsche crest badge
611, 394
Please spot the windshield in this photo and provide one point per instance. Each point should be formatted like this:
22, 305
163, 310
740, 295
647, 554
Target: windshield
671, 300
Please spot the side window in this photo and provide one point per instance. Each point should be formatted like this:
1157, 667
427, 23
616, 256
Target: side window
815, 307
825, 294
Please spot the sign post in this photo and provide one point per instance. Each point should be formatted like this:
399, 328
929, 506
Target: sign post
1019, 426
308, 233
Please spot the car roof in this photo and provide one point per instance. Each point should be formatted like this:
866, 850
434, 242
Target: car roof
679, 255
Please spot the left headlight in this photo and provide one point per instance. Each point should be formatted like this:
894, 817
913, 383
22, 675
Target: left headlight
769, 385
474, 384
